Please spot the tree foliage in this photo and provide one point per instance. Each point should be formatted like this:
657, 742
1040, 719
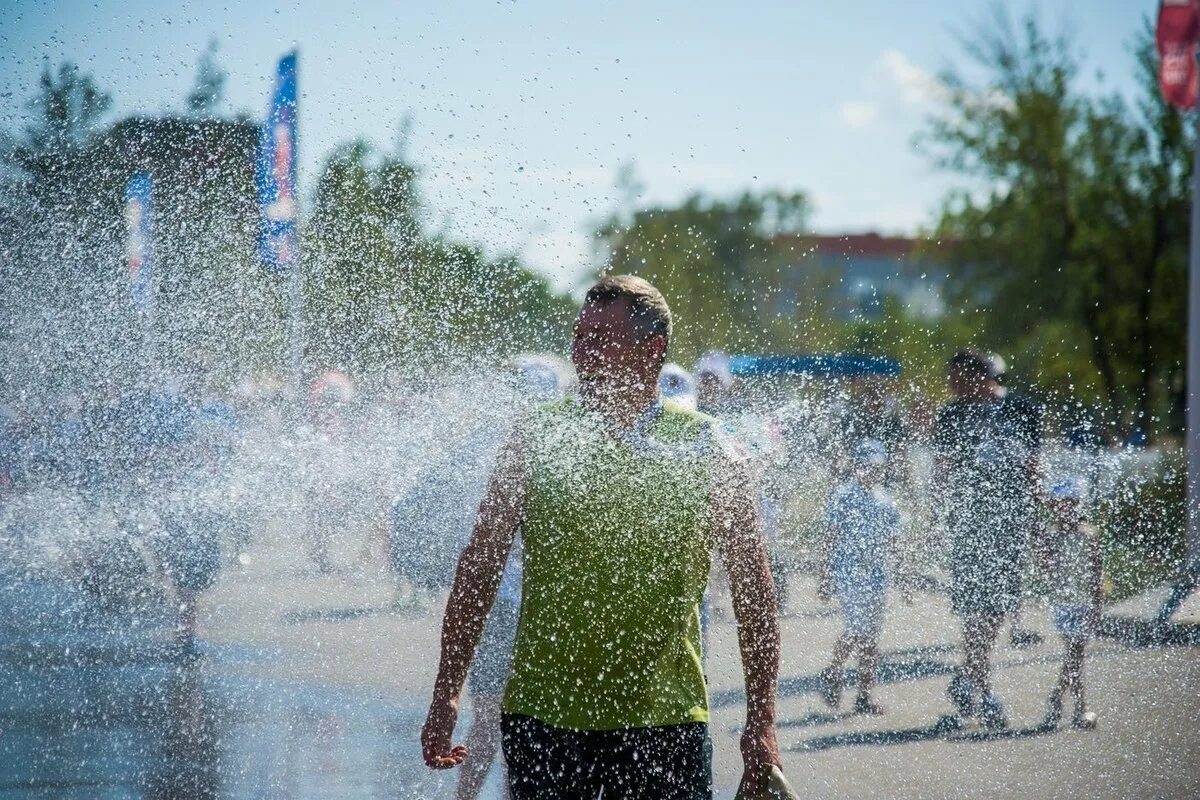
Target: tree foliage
1072, 228
209, 89
380, 292
722, 261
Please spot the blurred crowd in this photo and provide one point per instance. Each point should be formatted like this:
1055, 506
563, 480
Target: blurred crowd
190, 469
143, 495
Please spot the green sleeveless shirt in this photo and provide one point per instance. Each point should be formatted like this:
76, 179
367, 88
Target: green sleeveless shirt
617, 556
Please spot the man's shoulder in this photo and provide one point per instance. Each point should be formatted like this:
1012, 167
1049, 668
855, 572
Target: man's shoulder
685, 415
544, 413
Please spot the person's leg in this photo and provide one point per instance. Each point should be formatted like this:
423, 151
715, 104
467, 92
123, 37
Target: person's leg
971, 689
1054, 711
979, 637
185, 626
868, 665
870, 626
1018, 634
1073, 664
316, 521
543, 761
831, 676
483, 739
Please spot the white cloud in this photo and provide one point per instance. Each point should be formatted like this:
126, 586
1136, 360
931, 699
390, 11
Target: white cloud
857, 114
916, 85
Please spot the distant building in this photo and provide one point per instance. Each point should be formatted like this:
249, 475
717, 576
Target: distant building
861, 270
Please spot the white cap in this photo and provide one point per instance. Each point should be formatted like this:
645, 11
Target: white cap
715, 363
677, 384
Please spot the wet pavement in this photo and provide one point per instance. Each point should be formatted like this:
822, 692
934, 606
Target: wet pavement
310, 686
109, 710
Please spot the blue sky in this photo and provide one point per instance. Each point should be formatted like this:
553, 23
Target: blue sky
522, 111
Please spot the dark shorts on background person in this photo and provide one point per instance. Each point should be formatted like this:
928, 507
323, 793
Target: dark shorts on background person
670, 762
191, 549
987, 561
489, 669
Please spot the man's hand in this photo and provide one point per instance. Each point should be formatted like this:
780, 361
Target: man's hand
436, 734
759, 748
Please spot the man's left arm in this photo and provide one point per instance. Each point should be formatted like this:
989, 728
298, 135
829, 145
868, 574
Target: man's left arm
737, 529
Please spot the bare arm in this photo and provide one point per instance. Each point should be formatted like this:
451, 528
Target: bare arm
476, 581
738, 533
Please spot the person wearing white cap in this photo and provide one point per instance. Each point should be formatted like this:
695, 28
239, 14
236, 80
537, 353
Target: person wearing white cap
676, 383
714, 379
1070, 563
862, 527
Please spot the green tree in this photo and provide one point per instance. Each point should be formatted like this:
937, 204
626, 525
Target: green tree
379, 290
382, 292
724, 261
1071, 231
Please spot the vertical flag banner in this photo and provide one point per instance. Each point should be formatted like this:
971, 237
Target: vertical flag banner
1175, 37
275, 174
138, 242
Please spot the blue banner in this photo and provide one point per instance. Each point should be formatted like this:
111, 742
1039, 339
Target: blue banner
139, 242
275, 174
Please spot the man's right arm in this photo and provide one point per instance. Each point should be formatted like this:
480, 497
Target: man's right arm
476, 581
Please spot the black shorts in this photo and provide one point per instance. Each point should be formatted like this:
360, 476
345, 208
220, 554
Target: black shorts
988, 559
191, 549
670, 762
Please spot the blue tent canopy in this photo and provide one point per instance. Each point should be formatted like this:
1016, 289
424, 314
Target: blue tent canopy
817, 365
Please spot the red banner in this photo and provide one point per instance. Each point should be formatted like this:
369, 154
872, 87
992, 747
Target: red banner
1176, 36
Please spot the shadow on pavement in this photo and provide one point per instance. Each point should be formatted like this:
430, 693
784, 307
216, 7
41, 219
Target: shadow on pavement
897, 666
1148, 634
353, 612
815, 719
943, 729
332, 614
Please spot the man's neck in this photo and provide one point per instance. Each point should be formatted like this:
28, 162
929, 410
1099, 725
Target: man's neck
624, 407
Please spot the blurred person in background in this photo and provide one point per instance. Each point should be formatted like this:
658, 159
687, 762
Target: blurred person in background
1018, 634
430, 521
862, 529
987, 445
872, 413
194, 446
714, 384
676, 383
329, 491
1070, 567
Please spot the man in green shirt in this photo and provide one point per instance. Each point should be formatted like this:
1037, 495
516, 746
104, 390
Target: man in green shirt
620, 497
